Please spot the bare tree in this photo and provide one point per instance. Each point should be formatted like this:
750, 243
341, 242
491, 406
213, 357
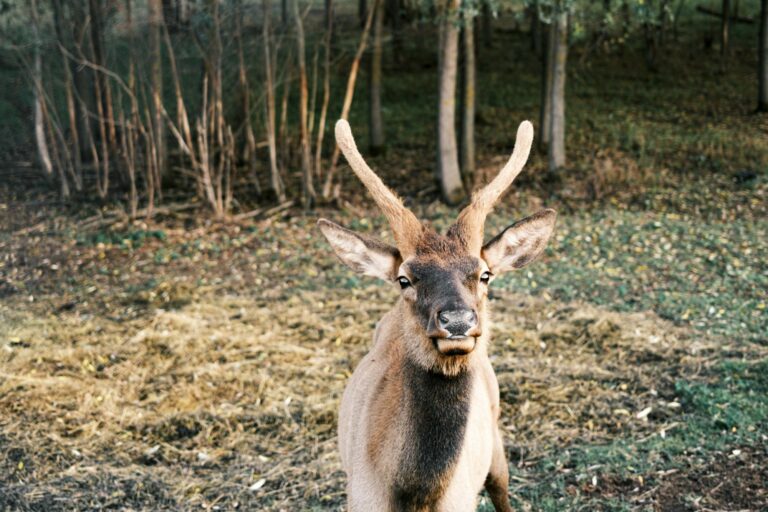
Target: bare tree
249, 150
275, 179
545, 113
393, 13
308, 188
376, 122
487, 22
725, 26
155, 22
69, 87
762, 96
559, 54
362, 11
448, 172
468, 101
39, 100
348, 96
326, 97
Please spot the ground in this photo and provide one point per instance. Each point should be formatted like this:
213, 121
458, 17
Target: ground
181, 364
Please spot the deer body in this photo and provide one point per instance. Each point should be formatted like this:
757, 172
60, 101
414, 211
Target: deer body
384, 420
418, 426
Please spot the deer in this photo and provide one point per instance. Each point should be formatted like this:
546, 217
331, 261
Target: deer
418, 424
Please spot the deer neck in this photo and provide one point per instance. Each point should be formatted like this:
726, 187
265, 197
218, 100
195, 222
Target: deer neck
436, 408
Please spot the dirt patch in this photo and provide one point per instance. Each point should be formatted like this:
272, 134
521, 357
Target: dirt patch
734, 481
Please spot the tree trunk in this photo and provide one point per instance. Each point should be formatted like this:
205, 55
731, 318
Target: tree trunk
249, 150
447, 155
183, 12
725, 25
649, 37
308, 188
348, 96
275, 179
762, 97
105, 119
393, 8
535, 30
468, 103
69, 87
329, 14
326, 99
155, 21
362, 11
374, 104
37, 86
557, 128
487, 23
97, 40
545, 114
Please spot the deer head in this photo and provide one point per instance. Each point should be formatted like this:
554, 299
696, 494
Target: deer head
443, 279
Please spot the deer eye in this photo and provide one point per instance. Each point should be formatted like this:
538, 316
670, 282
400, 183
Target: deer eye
404, 282
485, 277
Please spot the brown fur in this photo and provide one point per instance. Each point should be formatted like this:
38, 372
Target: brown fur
418, 422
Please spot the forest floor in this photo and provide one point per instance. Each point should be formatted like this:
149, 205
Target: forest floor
189, 364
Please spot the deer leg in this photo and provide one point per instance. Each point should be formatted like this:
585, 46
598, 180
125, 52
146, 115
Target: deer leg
497, 481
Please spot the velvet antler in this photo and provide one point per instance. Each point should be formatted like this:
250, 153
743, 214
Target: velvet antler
405, 226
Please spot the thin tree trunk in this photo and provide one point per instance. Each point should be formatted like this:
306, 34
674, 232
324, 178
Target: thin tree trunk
393, 6
249, 153
651, 41
487, 17
468, 103
155, 20
97, 42
283, 132
329, 14
326, 98
129, 138
83, 77
545, 116
69, 86
275, 179
560, 56
762, 95
37, 86
725, 25
348, 96
374, 103
535, 26
308, 187
183, 12
448, 171
362, 11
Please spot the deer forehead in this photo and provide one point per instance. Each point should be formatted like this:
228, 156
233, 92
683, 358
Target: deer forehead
441, 266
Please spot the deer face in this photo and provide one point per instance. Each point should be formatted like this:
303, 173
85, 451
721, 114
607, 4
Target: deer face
444, 286
443, 279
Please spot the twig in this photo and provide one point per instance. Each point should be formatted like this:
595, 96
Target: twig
263, 212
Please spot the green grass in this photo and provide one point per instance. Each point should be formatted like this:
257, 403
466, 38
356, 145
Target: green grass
712, 275
728, 412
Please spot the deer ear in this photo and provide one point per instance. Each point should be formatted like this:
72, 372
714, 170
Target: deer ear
520, 243
363, 254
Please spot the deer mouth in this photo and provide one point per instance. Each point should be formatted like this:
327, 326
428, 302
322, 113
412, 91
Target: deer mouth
455, 345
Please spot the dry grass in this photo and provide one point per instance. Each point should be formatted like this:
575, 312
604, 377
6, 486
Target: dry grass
232, 401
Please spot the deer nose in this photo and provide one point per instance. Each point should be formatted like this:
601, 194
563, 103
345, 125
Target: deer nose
457, 322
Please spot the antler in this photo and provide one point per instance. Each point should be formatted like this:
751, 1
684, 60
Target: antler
471, 220
405, 226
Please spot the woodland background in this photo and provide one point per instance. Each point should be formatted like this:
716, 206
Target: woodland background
175, 334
